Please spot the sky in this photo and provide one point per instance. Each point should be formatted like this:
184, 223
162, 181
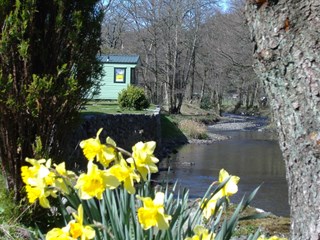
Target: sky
224, 5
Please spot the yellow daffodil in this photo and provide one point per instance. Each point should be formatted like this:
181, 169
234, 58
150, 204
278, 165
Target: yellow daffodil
152, 213
35, 193
40, 170
92, 148
143, 158
201, 233
27, 173
271, 238
209, 206
95, 182
61, 169
74, 229
63, 180
78, 230
59, 234
39, 181
109, 153
37, 170
230, 187
126, 174
39, 192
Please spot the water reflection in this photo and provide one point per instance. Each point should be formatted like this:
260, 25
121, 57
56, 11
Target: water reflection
248, 154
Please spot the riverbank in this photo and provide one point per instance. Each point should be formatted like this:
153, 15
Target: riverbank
174, 138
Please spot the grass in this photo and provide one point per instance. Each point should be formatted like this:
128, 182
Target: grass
193, 129
8, 209
111, 107
10, 226
190, 123
169, 128
14, 232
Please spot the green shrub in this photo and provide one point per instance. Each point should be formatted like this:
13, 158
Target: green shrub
133, 98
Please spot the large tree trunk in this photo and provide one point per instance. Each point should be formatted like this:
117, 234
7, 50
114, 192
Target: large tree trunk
287, 59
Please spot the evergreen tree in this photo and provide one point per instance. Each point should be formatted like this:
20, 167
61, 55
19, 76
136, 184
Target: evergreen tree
47, 67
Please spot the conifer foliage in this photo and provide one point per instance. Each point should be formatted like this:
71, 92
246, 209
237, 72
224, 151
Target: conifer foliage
47, 66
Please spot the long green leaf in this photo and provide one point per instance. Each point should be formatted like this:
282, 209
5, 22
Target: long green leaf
255, 236
250, 198
255, 216
232, 223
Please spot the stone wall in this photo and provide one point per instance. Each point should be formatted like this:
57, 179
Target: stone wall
124, 129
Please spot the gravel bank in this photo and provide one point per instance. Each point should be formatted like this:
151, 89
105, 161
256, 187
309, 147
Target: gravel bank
234, 126
212, 138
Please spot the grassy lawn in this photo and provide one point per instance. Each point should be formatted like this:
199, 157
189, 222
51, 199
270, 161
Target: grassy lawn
111, 107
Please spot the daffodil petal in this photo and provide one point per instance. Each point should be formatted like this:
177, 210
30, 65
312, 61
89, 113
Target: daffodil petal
163, 221
159, 198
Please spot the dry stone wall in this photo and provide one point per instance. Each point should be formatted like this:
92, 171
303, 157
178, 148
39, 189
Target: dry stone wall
124, 129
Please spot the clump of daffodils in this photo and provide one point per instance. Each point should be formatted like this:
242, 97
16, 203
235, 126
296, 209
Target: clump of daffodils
113, 199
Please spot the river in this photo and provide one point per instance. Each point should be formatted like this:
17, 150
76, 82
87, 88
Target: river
252, 155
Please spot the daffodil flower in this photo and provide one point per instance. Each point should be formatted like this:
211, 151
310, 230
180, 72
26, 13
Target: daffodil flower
37, 170
61, 169
143, 158
39, 181
31, 172
126, 174
59, 234
152, 212
38, 192
63, 180
74, 230
94, 182
209, 206
92, 148
201, 233
77, 229
230, 187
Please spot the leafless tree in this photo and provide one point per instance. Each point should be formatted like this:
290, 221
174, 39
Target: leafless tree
225, 59
114, 26
188, 49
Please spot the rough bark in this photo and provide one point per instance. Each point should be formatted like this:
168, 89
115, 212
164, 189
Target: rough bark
287, 60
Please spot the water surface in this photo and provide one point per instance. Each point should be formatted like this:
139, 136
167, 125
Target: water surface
251, 155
